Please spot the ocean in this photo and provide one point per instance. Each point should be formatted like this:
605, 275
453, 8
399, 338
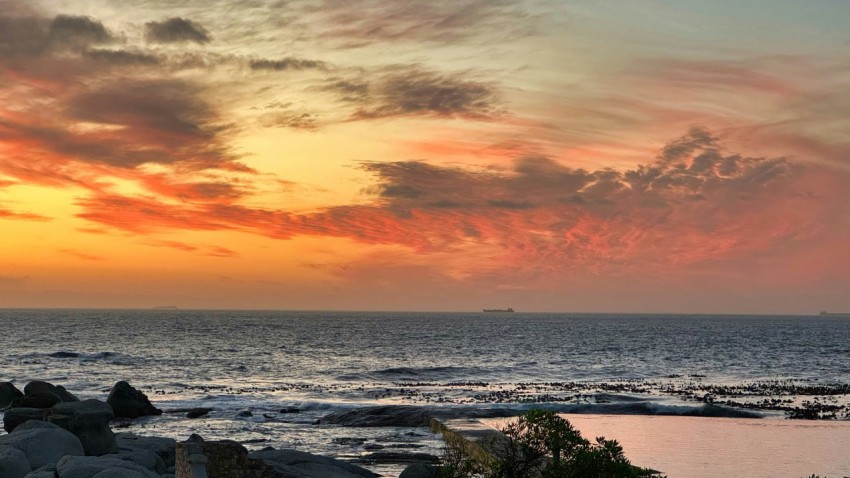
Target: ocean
318, 362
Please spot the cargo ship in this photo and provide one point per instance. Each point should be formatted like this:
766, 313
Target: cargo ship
508, 310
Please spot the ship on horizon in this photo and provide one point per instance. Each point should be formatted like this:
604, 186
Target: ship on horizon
834, 314
508, 310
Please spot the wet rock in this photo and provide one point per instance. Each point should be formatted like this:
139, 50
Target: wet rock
244, 414
18, 416
419, 470
89, 421
42, 443
307, 465
128, 402
380, 416
198, 412
8, 393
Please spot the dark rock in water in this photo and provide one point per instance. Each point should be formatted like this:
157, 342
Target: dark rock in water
13, 463
162, 447
399, 457
103, 466
198, 412
128, 402
380, 416
42, 443
37, 386
14, 417
420, 470
228, 458
8, 393
38, 400
122, 422
63, 354
290, 410
306, 465
89, 421
244, 414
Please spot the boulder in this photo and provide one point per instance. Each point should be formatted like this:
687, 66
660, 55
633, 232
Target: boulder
38, 400
42, 443
13, 462
8, 393
380, 416
128, 402
102, 466
37, 387
307, 465
146, 458
420, 470
17, 416
163, 447
89, 421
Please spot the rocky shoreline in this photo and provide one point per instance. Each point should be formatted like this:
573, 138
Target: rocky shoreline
53, 434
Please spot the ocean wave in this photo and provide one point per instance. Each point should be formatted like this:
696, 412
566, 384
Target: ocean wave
440, 373
65, 354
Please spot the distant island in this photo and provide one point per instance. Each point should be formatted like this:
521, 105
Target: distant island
509, 310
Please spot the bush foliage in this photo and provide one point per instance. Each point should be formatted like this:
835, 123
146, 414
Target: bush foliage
541, 444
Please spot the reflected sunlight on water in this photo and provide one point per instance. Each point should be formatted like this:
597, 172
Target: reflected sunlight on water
692, 447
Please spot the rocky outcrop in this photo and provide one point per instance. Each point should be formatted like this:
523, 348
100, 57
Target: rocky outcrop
42, 443
8, 394
128, 402
89, 421
306, 465
380, 416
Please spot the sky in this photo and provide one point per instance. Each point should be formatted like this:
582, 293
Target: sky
545, 155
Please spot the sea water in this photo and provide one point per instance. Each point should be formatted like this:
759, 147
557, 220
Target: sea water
318, 362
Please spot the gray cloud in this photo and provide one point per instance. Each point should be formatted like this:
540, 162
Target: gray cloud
122, 57
285, 64
79, 32
417, 92
176, 30
289, 119
439, 21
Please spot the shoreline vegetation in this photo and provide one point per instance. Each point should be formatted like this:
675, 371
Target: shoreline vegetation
54, 434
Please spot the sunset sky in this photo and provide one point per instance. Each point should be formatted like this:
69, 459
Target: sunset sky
623, 156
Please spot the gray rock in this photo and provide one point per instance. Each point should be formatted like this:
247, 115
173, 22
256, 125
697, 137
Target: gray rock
43, 472
128, 402
42, 443
146, 458
38, 400
163, 447
89, 421
8, 393
380, 416
307, 465
91, 466
37, 387
14, 417
419, 470
13, 463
